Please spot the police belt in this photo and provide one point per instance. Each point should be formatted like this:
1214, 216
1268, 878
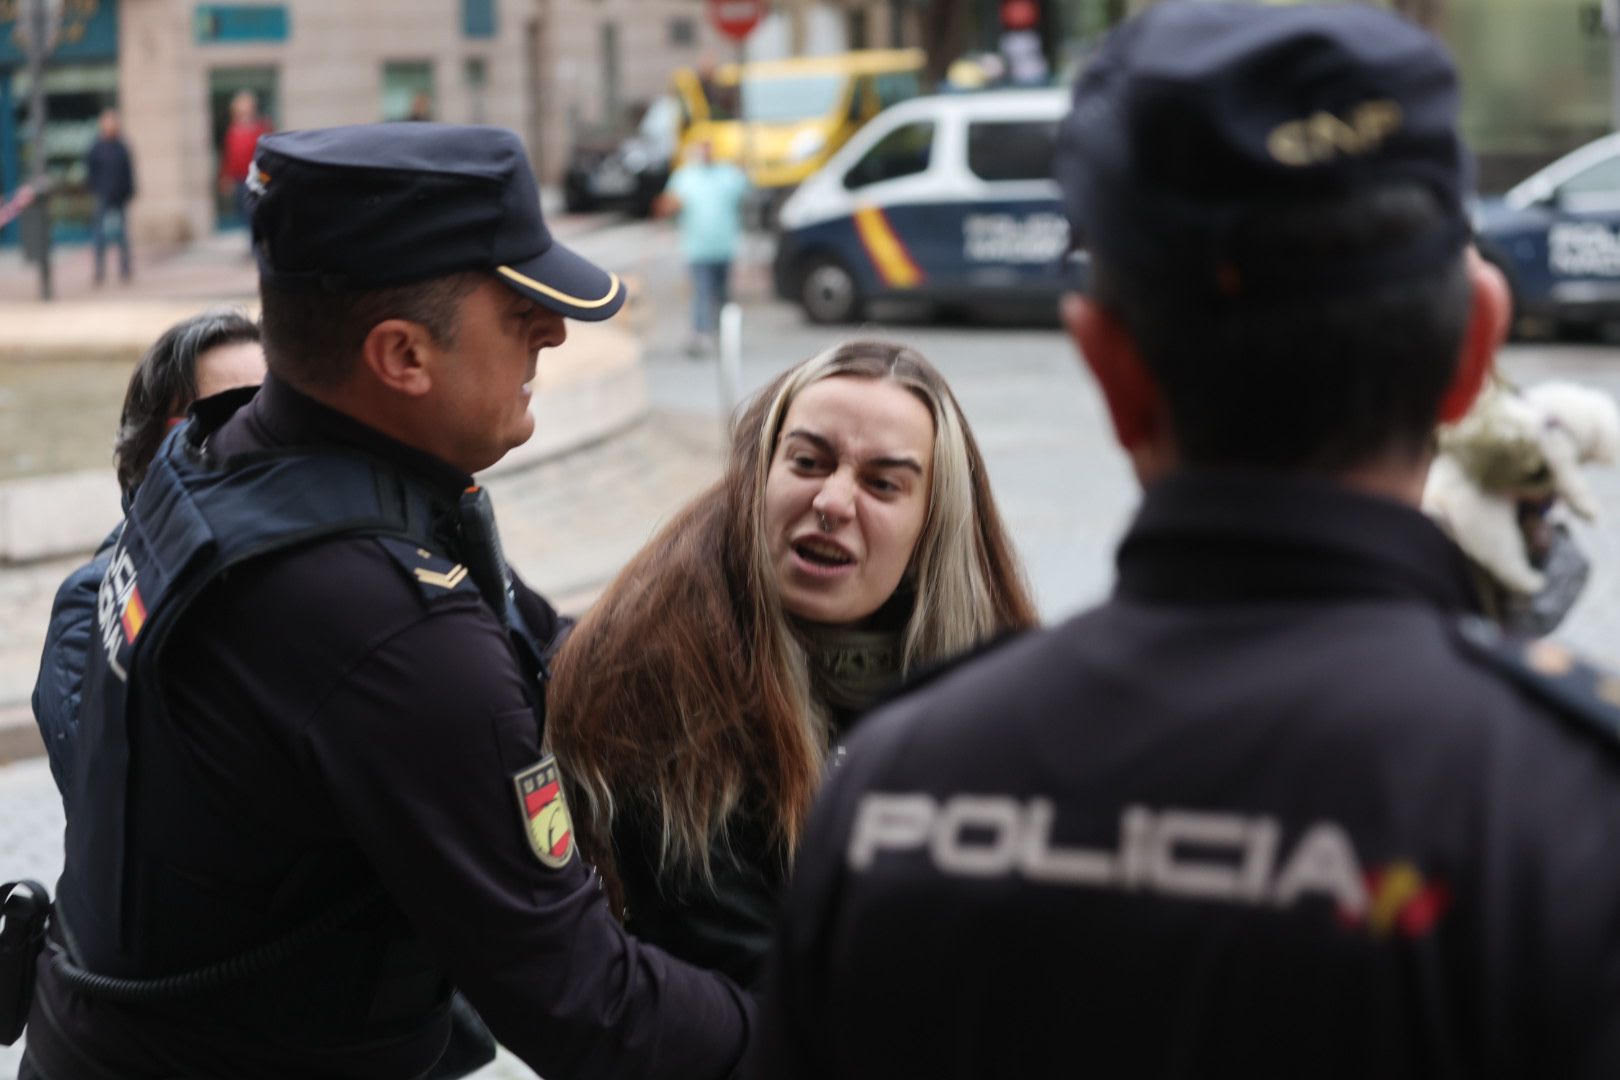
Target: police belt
255, 961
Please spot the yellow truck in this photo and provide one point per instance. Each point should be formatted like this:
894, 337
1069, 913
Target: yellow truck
798, 110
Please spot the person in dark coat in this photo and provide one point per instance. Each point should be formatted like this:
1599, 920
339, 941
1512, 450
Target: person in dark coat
1285, 804
111, 178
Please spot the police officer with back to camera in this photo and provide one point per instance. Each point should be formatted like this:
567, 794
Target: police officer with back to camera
1281, 806
313, 795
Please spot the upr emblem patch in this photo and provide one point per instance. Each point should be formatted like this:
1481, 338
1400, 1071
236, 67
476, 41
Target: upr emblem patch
545, 813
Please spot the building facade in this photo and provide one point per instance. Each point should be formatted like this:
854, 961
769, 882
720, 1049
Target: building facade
82, 78
548, 69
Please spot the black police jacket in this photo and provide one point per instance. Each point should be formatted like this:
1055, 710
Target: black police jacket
268, 736
109, 172
68, 637
724, 922
1278, 808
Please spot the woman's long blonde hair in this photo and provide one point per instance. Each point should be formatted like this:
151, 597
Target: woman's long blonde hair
685, 694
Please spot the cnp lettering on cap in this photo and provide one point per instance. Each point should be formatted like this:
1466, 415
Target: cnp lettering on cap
1323, 136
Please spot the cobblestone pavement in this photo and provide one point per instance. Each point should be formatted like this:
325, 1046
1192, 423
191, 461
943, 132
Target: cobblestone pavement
1063, 488
569, 524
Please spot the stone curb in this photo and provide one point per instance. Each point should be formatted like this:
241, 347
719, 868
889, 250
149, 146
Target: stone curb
586, 389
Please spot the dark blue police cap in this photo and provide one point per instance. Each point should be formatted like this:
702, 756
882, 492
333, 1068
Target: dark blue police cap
376, 205
1196, 118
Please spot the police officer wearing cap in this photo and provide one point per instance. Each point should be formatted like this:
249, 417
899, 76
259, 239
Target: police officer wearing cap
1282, 806
314, 797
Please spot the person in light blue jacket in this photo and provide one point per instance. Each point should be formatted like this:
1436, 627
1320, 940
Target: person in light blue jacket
708, 196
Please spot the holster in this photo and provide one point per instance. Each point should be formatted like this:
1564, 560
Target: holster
25, 912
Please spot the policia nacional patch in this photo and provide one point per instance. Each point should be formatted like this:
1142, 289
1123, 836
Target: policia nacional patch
545, 813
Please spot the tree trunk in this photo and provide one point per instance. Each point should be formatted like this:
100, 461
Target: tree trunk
942, 36
1429, 14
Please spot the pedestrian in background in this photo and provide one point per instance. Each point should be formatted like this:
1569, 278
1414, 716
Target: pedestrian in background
707, 195
196, 358
1020, 44
311, 800
242, 137
1285, 805
853, 540
110, 176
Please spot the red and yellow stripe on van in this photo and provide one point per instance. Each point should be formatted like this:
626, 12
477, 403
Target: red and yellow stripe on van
894, 263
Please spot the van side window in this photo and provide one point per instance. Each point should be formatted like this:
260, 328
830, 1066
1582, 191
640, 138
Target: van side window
902, 152
1593, 190
1011, 149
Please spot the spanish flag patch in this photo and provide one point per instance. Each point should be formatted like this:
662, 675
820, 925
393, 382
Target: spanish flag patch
134, 616
545, 813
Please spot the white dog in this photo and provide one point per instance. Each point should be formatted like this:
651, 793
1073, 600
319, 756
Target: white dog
1516, 445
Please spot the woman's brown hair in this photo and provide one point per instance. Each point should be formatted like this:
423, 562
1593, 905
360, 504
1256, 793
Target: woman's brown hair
684, 694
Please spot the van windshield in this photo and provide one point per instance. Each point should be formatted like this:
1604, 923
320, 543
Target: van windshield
777, 100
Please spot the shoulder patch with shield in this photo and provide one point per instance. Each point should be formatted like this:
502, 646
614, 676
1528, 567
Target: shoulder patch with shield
545, 813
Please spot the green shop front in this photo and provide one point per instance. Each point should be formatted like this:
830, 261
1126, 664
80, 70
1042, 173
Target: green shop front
80, 80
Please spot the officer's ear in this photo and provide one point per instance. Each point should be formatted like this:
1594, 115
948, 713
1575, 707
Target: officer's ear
1134, 401
396, 354
1490, 316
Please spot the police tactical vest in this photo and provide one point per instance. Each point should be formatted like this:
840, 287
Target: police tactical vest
194, 518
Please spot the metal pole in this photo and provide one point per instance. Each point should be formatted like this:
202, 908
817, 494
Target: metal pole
730, 360
742, 114
38, 47
1614, 82
1611, 22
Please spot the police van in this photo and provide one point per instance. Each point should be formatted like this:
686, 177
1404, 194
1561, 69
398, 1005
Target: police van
1556, 236
946, 198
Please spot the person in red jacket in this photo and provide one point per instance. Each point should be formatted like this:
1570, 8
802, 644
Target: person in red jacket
236, 152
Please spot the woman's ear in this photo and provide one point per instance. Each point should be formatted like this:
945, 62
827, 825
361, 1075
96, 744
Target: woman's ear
1490, 316
397, 352
1134, 402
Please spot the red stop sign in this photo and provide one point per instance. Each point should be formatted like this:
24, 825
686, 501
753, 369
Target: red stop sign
736, 18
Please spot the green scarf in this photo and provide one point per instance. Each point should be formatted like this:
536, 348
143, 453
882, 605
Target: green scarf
850, 669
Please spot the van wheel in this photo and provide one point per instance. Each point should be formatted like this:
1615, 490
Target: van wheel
828, 292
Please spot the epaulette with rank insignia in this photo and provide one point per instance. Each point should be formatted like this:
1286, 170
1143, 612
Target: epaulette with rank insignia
1582, 692
434, 574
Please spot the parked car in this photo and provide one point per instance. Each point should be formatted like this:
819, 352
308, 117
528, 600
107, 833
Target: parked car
629, 172
945, 198
1556, 236
798, 110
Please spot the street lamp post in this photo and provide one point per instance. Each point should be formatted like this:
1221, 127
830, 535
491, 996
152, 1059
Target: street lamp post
1609, 14
39, 41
